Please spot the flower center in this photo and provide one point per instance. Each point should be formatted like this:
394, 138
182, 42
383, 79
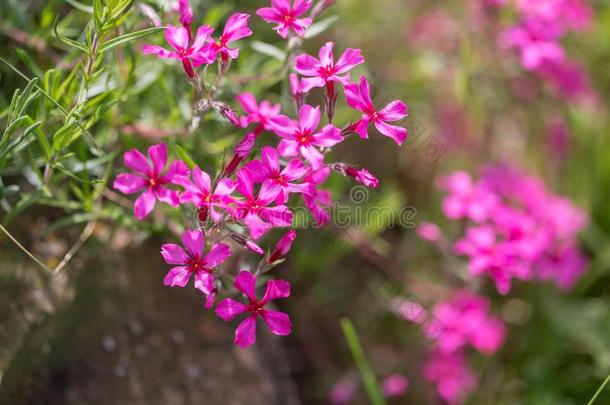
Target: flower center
197, 265
304, 138
288, 18
327, 71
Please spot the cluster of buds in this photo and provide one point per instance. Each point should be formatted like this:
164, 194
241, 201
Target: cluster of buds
256, 191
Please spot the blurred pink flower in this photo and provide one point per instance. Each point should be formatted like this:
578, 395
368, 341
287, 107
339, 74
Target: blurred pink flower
150, 176
428, 231
395, 385
286, 16
453, 379
277, 322
466, 199
359, 98
260, 114
186, 13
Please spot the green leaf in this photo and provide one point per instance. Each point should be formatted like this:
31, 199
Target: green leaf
185, 156
68, 41
269, 50
320, 26
80, 6
122, 39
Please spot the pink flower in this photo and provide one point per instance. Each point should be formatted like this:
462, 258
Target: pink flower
277, 322
321, 72
285, 15
564, 266
428, 231
192, 263
488, 255
150, 176
359, 98
241, 151
198, 191
360, 175
303, 137
395, 385
191, 55
283, 246
247, 243
466, 199
260, 114
235, 29
254, 210
537, 42
278, 180
454, 381
464, 320
343, 390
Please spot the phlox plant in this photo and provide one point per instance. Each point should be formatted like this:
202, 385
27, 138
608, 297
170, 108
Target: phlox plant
283, 157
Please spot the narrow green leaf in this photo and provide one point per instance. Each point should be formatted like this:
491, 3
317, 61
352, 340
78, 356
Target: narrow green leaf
70, 42
185, 156
269, 50
80, 6
320, 26
122, 39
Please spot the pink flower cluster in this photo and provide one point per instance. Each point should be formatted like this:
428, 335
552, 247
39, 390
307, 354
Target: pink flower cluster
254, 191
452, 326
515, 228
537, 37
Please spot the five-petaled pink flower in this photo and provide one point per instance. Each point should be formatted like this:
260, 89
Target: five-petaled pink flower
359, 98
258, 113
235, 29
192, 263
277, 322
191, 55
301, 136
150, 177
324, 72
286, 16
254, 211
268, 170
199, 192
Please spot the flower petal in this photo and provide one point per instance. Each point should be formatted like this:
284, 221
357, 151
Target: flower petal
246, 283
128, 183
277, 322
309, 117
193, 241
351, 57
135, 160
394, 111
228, 309
217, 255
237, 27
398, 134
307, 65
276, 289
177, 37
201, 180
144, 204
173, 254
245, 334
177, 276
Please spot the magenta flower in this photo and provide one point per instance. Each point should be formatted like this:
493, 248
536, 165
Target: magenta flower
302, 136
150, 176
465, 198
198, 191
360, 175
260, 114
324, 71
359, 98
254, 211
395, 385
277, 322
318, 200
282, 246
235, 29
537, 42
191, 262
428, 231
453, 379
285, 15
278, 180
191, 55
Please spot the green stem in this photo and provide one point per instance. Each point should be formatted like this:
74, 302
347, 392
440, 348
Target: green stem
366, 372
599, 390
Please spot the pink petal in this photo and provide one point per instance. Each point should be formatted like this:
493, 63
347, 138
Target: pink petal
329, 136
350, 58
177, 37
201, 180
202, 35
294, 170
281, 5
245, 183
277, 322
307, 65
176, 169
398, 134
225, 187
308, 83
365, 91
135, 160
193, 241
158, 156
269, 14
313, 156
245, 334
354, 98
177, 276
204, 282
394, 111
277, 216
128, 183
167, 196
217, 255
301, 6
326, 54
300, 25
283, 126
246, 283
144, 204
271, 158
276, 289
173, 254
258, 170
309, 117
268, 192
288, 148
248, 102
228, 309
159, 51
